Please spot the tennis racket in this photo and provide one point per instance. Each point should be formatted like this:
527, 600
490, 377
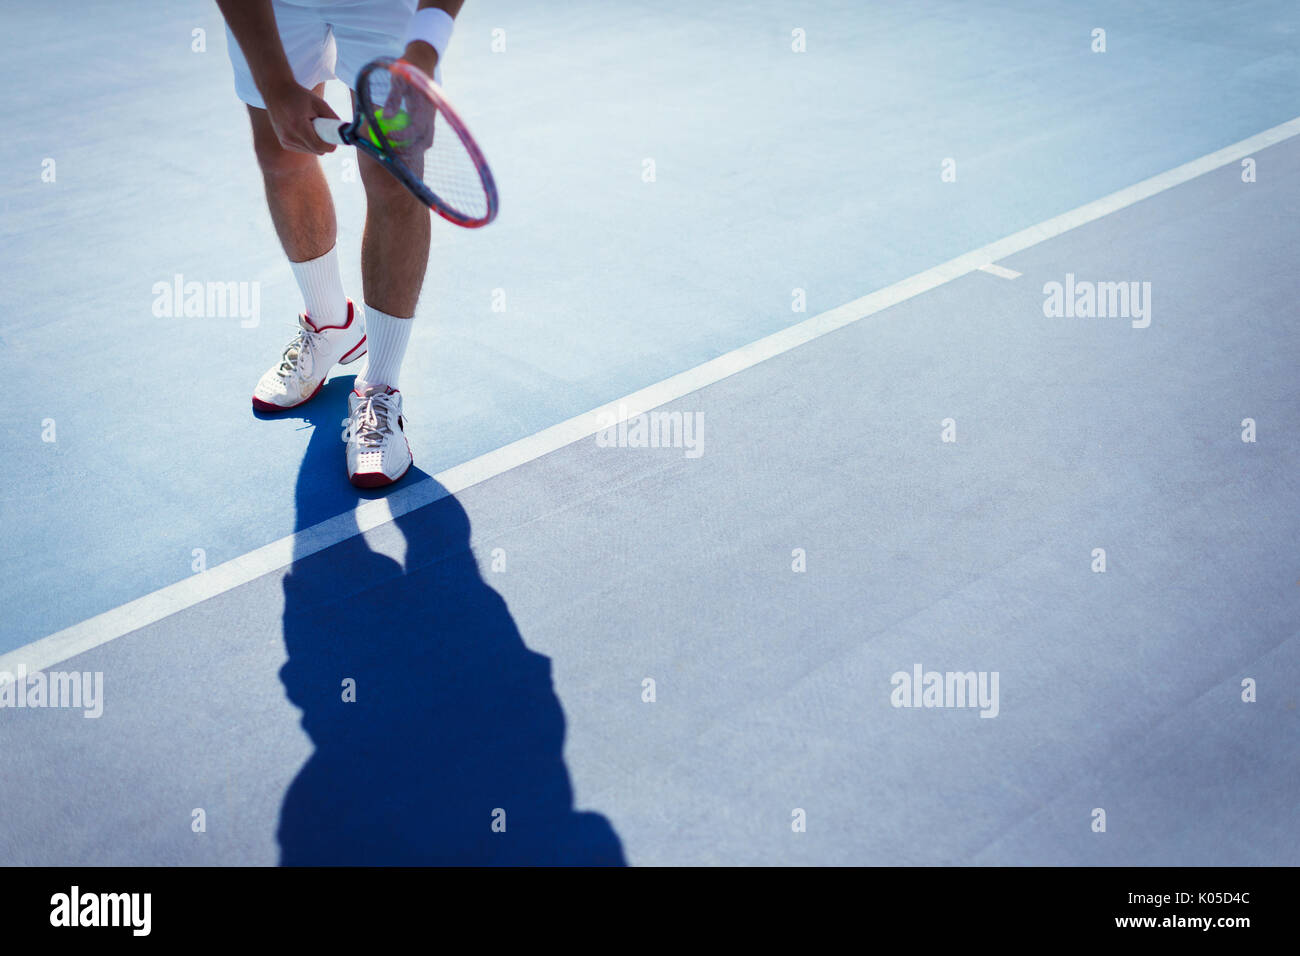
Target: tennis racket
405, 122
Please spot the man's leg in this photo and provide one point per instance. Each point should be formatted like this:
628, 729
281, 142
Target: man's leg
394, 256
302, 210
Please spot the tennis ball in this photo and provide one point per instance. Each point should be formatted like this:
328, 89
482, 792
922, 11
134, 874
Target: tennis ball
389, 125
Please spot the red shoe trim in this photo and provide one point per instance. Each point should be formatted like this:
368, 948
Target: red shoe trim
344, 360
322, 328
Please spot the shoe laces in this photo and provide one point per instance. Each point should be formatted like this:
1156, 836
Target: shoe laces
305, 343
370, 423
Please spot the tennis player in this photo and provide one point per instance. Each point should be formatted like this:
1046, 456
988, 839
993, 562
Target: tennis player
283, 51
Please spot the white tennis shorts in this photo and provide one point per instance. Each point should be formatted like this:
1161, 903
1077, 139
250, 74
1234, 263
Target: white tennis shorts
328, 39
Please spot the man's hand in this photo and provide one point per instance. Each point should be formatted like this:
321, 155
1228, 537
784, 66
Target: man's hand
291, 109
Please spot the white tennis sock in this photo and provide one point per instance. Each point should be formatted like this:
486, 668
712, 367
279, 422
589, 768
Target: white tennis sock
386, 338
322, 289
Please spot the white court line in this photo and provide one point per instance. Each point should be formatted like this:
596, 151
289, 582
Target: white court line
162, 603
1001, 271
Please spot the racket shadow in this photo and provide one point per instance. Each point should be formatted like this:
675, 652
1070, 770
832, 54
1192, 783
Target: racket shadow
454, 721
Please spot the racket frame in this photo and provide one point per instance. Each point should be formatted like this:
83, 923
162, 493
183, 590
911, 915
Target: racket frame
350, 134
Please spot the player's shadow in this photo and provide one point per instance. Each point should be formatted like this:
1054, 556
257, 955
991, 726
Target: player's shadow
455, 723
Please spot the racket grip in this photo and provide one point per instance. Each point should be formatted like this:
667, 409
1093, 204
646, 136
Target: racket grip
328, 129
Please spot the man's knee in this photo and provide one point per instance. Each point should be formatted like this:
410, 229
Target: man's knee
382, 187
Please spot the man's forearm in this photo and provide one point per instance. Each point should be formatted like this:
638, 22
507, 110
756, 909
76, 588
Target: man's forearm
253, 24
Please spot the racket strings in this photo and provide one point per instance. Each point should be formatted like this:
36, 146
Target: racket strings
421, 139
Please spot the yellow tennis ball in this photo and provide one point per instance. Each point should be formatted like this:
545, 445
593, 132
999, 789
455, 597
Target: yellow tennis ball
388, 125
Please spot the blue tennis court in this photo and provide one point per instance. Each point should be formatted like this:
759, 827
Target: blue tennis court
866, 436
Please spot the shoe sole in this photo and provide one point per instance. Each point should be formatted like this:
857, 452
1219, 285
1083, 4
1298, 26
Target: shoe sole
262, 406
377, 479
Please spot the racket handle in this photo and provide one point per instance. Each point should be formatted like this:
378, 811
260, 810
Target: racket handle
328, 129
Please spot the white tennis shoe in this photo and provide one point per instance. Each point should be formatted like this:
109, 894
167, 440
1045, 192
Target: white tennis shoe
307, 361
378, 452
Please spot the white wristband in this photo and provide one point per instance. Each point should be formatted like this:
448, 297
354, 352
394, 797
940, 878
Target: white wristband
433, 26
